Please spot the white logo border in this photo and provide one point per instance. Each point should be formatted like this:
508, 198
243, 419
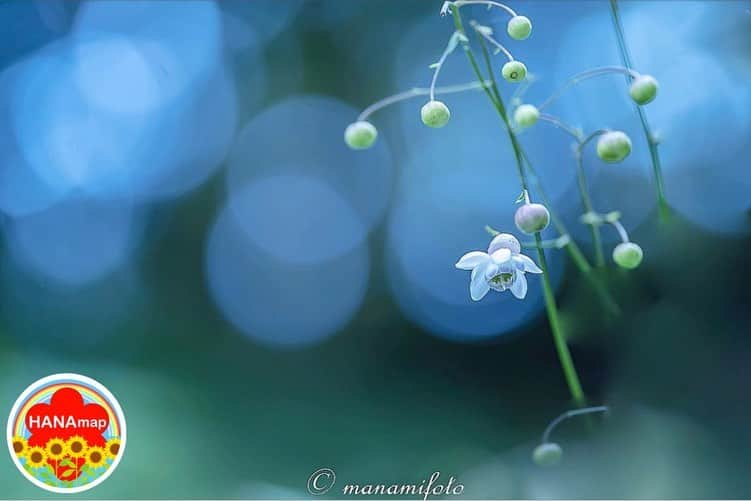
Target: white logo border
99, 388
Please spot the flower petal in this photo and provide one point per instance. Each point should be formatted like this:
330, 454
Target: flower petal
472, 259
519, 287
478, 286
526, 264
505, 241
501, 256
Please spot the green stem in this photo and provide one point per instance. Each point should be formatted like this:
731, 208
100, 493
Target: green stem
564, 355
569, 371
573, 250
664, 208
587, 204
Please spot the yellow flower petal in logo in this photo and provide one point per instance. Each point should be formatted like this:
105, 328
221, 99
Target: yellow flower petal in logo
96, 457
55, 449
20, 446
76, 446
112, 447
36, 457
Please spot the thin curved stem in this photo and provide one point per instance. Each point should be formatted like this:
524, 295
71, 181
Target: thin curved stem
586, 140
621, 230
450, 46
461, 3
419, 91
569, 415
483, 32
573, 250
575, 133
664, 208
585, 75
581, 181
588, 207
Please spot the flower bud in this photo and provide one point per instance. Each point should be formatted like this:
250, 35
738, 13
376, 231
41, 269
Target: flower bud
643, 89
613, 146
547, 454
519, 27
526, 115
360, 135
531, 218
627, 255
435, 114
514, 71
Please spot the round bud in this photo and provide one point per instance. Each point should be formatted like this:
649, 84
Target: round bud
613, 146
519, 27
526, 115
628, 255
531, 218
435, 114
643, 89
547, 454
514, 71
360, 135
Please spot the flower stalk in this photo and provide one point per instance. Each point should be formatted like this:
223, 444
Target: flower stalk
564, 355
663, 207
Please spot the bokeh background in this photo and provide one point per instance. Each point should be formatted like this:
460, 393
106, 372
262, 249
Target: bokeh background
182, 221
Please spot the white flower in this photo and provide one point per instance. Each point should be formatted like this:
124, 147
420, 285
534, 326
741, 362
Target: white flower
501, 268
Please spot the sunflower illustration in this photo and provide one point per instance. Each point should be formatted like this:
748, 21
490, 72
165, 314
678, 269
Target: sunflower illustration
96, 456
112, 447
36, 457
20, 445
76, 446
55, 449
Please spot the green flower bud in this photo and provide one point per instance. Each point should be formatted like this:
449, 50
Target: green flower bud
519, 27
531, 218
644, 89
613, 146
514, 71
360, 135
627, 255
526, 115
435, 114
547, 454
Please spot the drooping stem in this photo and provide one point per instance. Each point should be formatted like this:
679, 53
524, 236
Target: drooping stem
569, 370
663, 207
568, 415
564, 355
419, 91
581, 179
575, 133
585, 75
588, 207
573, 250
621, 230
450, 46
485, 32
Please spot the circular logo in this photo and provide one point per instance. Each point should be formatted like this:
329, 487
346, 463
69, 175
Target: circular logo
66, 433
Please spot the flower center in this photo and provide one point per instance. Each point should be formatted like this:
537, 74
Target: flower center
56, 449
17, 447
502, 279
